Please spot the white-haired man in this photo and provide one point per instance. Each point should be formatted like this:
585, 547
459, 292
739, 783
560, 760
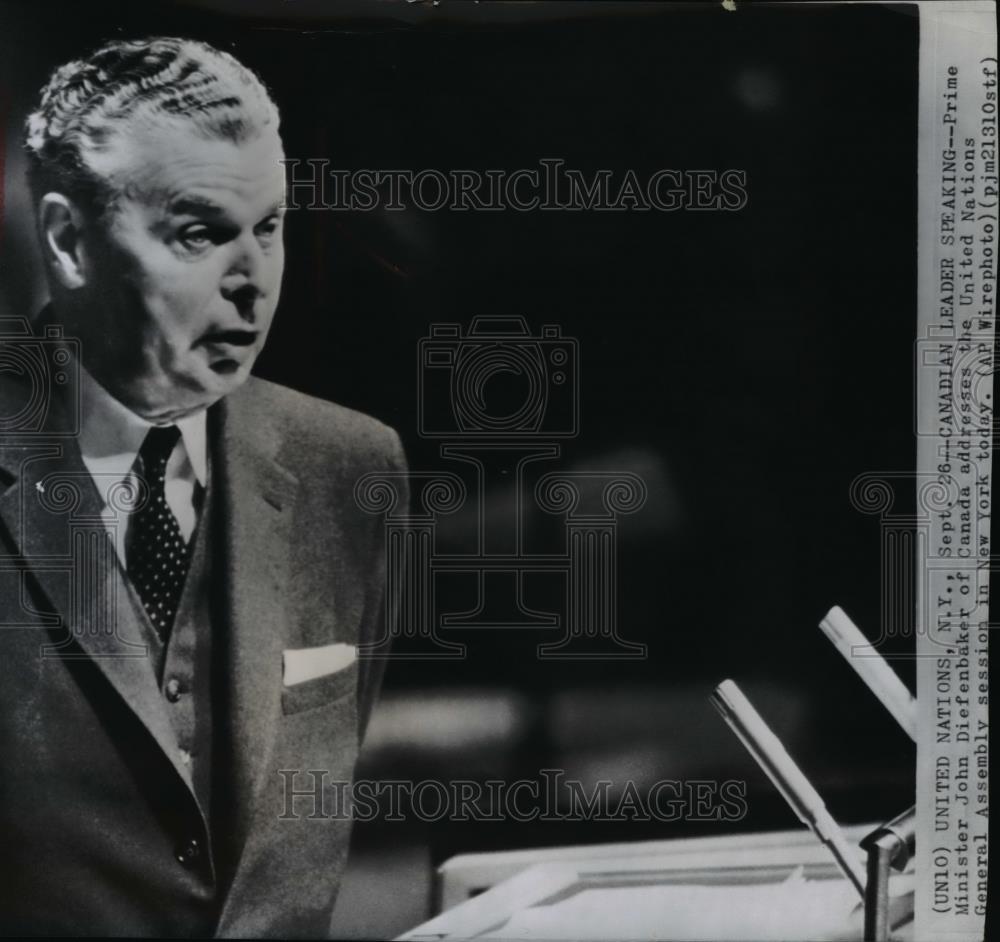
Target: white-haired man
181, 635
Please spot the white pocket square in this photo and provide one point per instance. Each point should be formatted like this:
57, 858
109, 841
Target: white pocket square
302, 664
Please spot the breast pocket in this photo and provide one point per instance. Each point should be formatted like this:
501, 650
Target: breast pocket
320, 691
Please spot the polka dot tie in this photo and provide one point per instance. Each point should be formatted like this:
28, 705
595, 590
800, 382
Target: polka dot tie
156, 555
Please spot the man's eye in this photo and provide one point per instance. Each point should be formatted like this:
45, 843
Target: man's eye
269, 228
196, 238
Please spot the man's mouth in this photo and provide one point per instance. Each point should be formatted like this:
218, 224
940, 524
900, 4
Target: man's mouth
227, 349
230, 338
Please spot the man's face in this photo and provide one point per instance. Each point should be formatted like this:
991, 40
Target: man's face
185, 271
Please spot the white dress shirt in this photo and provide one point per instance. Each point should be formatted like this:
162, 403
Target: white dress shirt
110, 438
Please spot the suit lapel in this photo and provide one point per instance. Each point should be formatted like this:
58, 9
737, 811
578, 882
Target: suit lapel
53, 513
56, 520
257, 494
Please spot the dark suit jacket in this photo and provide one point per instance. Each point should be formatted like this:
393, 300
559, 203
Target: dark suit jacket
95, 804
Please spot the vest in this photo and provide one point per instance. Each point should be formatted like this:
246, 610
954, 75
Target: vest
189, 676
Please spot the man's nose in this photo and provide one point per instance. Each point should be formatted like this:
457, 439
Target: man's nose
243, 282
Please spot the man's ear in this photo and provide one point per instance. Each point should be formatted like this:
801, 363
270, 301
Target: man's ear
60, 224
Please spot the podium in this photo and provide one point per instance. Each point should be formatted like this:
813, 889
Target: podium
776, 885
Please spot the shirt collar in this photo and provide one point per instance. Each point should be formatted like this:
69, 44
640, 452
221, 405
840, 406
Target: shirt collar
111, 434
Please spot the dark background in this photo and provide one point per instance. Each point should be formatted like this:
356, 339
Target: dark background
747, 365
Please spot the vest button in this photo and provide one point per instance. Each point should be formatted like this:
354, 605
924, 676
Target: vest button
173, 690
188, 853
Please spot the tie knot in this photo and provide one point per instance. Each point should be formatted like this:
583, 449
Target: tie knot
157, 447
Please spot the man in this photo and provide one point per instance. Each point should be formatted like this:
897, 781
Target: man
185, 577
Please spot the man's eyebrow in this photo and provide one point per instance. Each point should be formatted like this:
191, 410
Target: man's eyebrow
191, 205
195, 206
